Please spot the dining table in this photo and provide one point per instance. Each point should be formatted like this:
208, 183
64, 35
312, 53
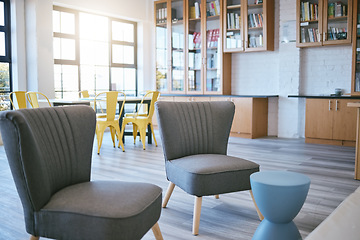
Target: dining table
128, 100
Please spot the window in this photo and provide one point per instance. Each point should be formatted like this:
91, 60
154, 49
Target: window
94, 53
5, 55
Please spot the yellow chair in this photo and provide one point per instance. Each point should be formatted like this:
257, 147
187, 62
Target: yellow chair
85, 94
32, 97
141, 120
110, 120
20, 98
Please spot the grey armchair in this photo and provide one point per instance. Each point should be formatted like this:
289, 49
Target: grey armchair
49, 152
195, 138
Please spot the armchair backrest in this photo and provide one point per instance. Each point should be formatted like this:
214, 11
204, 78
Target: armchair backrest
47, 149
189, 128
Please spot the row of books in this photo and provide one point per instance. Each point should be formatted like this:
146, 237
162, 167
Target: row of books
357, 81
161, 15
213, 8
178, 59
194, 11
258, 1
234, 41
256, 41
337, 9
337, 33
195, 40
233, 21
212, 38
177, 40
310, 35
194, 61
255, 20
309, 11
212, 61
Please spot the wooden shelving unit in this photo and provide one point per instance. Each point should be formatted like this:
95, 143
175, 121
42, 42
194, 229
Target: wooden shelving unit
245, 37
323, 22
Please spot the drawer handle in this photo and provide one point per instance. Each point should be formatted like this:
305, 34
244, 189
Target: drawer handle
329, 105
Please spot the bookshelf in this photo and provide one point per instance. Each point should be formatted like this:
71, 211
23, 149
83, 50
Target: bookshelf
170, 46
355, 79
249, 25
323, 22
189, 56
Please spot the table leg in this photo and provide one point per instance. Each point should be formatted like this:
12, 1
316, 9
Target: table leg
149, 128
357, 151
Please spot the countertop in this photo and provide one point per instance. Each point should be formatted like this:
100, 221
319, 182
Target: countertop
325, 96
208, 95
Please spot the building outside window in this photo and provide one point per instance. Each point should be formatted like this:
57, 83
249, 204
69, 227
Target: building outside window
5, 55
93, 52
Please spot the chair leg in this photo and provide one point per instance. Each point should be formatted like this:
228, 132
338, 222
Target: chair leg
196, 217
168, 194
34, 238
117, 129
217, 196
157, 232
135, 131
99, 136
261, 217
152, 131
113, 133
142, 131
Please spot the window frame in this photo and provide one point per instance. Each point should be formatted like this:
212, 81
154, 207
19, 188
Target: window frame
110, 42
6, 29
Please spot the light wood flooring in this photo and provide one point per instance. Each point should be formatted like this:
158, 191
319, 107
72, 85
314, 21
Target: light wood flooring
233, 216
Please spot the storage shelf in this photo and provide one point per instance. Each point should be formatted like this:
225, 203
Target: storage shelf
234, 6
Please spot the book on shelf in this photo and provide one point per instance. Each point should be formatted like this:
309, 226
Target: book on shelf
308, 11
191, 60
197, 39
209, 37
232, 20
197, 61
217, 6
197, 10
192, 12
337, 9
161, 15
228, 21
213, 8
237, 26
255, 20
337, 33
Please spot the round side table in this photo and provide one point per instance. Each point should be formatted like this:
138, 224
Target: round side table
279, 195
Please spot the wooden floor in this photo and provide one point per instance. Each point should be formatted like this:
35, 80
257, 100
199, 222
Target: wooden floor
233, 216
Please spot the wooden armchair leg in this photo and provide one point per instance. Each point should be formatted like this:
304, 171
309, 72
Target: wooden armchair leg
261, 217
157, 232
34, 238
168, 194
217, 196
196, 217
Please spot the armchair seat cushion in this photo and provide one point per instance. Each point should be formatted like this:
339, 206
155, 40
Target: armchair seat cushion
210, 174
121, 210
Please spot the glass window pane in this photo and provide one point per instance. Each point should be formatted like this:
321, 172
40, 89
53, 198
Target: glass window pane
87, 55
130, 77
2, 11
4, 77
102, 79
56, 21
93, 27
67, 49
122, 31
67, 23
117, 53
57, 77
117, 79
70, 78
87, 74
101, 53
57, 48
2, 44
123, 54
4, 101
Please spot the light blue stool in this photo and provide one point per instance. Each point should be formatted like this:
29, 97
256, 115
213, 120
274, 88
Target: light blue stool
279, 195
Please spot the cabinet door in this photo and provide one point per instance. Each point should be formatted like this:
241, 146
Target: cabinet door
177, 80
337, 22
213, 53
233, 26
319, 118
344, 125
242, 122
309, 23
194, 50
355, 85
161, 46
259, 25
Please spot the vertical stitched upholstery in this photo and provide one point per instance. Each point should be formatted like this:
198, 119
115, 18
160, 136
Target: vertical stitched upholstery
194, 128
58, 151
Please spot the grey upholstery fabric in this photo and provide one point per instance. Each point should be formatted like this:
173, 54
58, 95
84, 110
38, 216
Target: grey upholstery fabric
49, 152
194, 138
